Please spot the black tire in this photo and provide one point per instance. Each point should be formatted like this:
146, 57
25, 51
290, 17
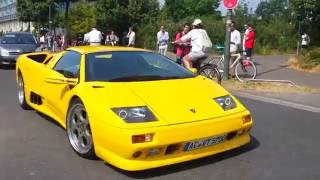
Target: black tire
210, 71
21, 94
78, 129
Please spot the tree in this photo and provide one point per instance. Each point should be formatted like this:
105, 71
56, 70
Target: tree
118, 15
33, 11
308, 12
82, 18
268, 10
180, 9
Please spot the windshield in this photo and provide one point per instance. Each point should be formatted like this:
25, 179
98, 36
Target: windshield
126, 66
18, 39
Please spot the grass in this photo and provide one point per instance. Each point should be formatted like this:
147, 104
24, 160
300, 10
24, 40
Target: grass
267, 87
309, 61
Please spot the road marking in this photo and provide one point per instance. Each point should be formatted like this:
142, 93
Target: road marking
279, 102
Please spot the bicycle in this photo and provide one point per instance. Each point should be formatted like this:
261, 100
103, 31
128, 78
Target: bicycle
206, 69
244, 69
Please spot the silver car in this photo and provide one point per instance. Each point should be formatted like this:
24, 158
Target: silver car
13, 44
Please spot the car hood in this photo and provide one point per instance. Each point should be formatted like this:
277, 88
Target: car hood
172, 101
22, 48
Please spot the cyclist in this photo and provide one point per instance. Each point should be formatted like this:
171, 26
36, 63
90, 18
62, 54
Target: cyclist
200, 42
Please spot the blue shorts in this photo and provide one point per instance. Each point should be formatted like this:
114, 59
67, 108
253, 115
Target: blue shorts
248, 52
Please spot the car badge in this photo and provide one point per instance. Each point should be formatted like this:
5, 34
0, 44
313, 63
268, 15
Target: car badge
193, 110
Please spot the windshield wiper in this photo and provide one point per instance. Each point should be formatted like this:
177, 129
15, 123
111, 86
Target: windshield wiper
143, 78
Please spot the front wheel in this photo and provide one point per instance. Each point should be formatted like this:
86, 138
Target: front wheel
210, 71
245, 70
79, 131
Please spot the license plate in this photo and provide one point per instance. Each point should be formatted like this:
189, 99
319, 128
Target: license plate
189, 146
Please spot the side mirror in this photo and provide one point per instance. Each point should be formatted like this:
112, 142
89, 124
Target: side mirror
193, 70
62, 80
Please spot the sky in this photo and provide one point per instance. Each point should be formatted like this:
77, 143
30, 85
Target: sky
252, 4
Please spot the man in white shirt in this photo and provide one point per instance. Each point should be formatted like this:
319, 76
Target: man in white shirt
94, 37
162, 41
132, 37
199, 40
235, 39
235, 42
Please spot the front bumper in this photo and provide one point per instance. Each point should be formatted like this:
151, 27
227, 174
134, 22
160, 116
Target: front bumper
114, 145
7, 60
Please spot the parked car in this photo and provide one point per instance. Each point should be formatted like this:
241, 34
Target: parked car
13, 44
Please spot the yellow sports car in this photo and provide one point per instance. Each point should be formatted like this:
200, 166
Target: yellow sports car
132, 108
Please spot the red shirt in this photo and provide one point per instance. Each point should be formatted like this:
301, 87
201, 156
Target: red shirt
249, 39
182, 50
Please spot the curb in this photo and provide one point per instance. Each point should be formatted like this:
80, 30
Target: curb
278, 102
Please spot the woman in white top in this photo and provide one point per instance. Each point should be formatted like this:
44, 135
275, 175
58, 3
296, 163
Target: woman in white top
200, 42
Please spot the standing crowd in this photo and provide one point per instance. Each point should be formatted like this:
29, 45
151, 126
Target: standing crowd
96, 38
190, 44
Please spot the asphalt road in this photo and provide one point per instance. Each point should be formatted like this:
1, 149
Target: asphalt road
285, 145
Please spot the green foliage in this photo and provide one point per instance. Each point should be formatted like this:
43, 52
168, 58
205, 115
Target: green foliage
180, 9
118, 15
82, 18
311, 59
308, 11
275, 21
33, 10
267, 10
275, 34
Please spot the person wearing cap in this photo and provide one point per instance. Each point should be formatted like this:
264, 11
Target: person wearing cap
94, 37
199, 43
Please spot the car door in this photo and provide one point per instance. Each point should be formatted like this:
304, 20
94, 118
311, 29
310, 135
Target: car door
67, 67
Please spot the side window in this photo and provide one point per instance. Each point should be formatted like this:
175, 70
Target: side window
69, 64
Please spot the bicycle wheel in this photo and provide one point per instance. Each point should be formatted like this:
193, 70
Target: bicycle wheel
245, 70
210, 71
219, 62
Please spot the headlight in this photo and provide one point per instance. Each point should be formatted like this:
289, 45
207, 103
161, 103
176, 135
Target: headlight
4, 52
226, 102
135, 114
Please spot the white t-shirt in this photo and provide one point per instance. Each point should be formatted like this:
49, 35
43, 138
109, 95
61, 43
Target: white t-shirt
305, 39
163, 38
94, 36
196, 37
132, 38
235, 40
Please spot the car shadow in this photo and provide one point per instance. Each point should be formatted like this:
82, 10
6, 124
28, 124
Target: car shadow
254, 143
54, 122
49, 119
8, 67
